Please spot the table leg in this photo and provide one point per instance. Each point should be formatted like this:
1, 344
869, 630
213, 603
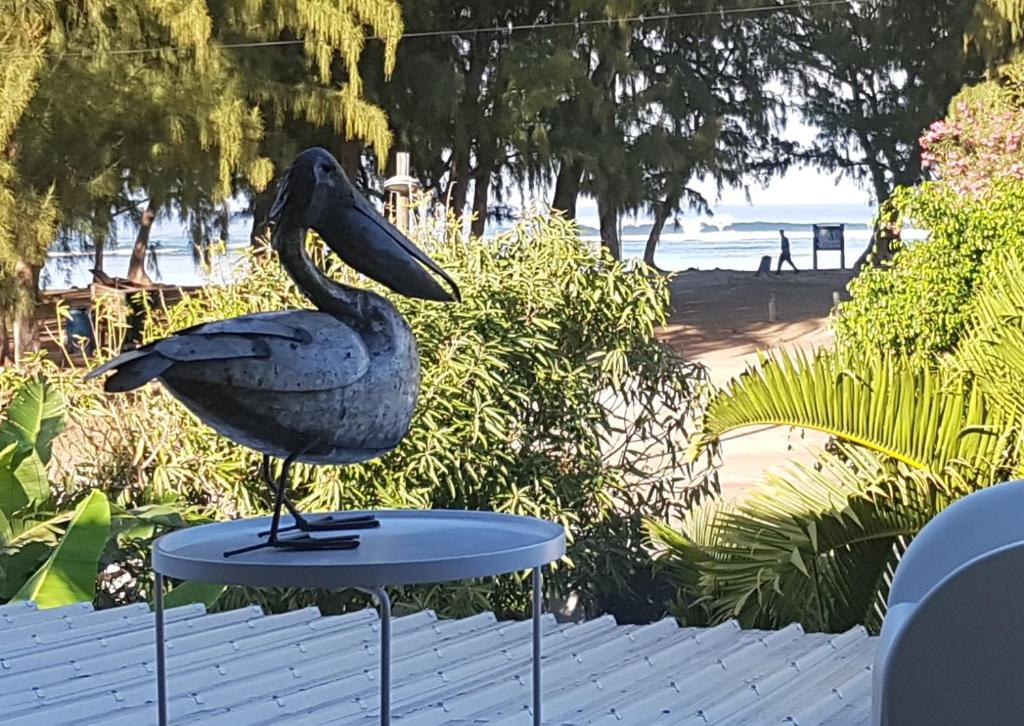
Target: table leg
385, 655
161, 658
538, 582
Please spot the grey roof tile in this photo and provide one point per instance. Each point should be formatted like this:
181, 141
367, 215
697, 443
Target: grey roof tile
78, 666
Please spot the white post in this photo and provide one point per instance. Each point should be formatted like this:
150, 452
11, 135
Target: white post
772, 317
399, 189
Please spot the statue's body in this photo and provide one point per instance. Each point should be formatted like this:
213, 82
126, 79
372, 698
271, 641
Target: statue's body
336, 385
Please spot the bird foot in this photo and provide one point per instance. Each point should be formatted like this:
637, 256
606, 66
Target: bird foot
302, 542
329, 523
306, 542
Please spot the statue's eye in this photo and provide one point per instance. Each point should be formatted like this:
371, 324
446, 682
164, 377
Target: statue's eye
325, 168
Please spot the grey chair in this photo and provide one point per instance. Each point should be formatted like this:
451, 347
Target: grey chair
951, 649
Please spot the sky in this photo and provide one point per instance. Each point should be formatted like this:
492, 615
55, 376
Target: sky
806, 185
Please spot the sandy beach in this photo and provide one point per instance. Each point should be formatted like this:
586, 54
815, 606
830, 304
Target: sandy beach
720, 319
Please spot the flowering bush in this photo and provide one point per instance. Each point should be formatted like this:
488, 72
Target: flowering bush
981, 139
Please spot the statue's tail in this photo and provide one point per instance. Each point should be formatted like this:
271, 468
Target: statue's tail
131, 369
136, 367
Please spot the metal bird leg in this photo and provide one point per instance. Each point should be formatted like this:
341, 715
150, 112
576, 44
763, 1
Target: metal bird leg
327, 523
302, 541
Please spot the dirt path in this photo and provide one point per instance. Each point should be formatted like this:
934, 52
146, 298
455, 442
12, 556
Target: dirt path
721, 320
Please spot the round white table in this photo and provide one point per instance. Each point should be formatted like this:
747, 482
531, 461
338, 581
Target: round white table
409, 547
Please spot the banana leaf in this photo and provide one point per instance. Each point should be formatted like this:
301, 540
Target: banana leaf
69, 574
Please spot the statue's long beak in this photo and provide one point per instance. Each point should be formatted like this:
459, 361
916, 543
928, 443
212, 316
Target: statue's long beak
367, 242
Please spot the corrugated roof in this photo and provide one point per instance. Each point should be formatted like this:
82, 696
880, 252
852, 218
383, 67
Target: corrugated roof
73, 665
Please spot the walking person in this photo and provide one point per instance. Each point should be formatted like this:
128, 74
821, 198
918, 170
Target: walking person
785, 256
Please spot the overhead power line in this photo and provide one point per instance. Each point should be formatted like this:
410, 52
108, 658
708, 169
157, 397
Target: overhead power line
508, 29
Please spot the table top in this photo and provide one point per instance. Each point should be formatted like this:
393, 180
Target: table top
409, 547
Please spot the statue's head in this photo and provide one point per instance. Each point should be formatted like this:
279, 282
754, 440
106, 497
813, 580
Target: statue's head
315, 193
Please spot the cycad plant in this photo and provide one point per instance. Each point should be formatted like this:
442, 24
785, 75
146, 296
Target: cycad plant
817, 544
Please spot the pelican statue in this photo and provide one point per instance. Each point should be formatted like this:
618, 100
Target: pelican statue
335, 385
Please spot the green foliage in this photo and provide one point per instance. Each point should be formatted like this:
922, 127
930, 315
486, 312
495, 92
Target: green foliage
980, 140
34, 418
177, 131
992, 351
996, 30
51, 548
69, 573
929, 419
629, 112
193, 592
815, 545
871, 77
819, 544
918, 304
544, 393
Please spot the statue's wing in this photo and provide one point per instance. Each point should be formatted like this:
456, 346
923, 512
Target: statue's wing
292, 351
260, 324
203, 346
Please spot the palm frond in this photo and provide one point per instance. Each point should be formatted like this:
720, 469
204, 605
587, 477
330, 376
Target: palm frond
993, 348
815, 545
926, 418
684, 554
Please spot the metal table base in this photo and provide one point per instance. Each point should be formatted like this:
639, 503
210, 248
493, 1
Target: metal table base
384, 606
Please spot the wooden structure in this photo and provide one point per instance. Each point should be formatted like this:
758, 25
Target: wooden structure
121, 306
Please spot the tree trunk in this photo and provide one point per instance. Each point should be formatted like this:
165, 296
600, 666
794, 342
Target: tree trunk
26, 333
259, 233
481, 187
660, 215
673, 192
567, 189
457, 191
351, 160
3, 341
881, 247
458, 183
137, 264
609, 217
97, 255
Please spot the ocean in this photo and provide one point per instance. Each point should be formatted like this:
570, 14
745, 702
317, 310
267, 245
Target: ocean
735, 238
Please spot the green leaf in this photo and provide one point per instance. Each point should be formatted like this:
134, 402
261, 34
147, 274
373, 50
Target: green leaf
23, 481
792, 551
798, 561
30, 475
17, 567
69, 575
190, 592
12, 496
34, 417
993, 348
143, 523
922, 416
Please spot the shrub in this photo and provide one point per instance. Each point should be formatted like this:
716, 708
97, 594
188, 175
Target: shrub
917, 304
544, 393
981, 138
